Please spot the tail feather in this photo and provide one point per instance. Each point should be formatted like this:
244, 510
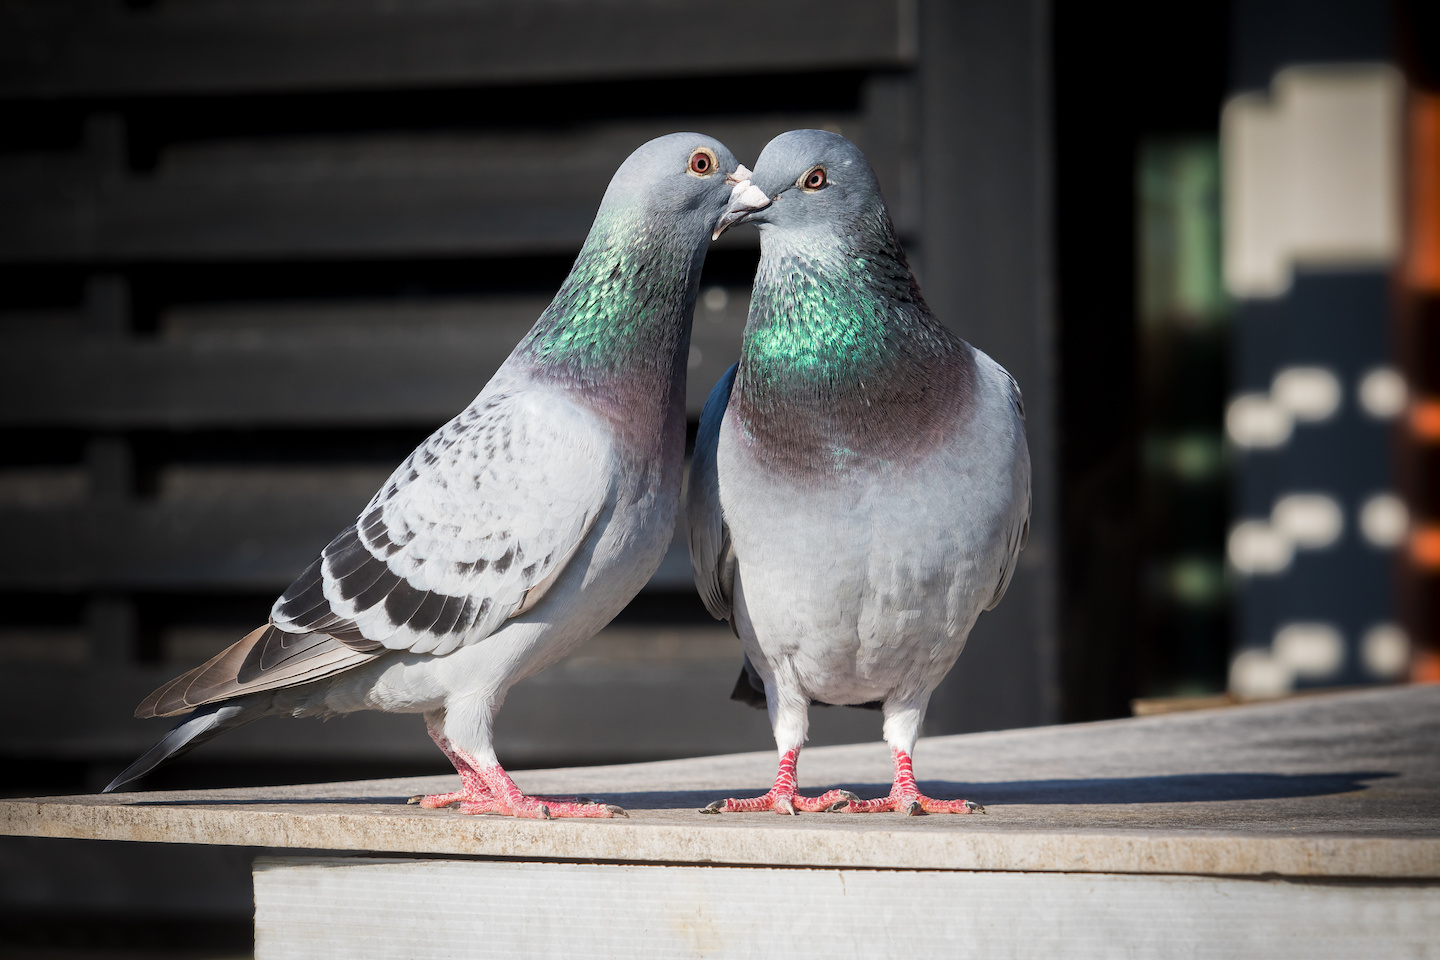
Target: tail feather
204, 724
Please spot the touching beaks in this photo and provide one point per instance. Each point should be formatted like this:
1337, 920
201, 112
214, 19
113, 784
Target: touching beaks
745, 199
741, 173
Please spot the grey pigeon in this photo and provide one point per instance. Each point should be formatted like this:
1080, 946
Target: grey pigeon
860, 489
518, 529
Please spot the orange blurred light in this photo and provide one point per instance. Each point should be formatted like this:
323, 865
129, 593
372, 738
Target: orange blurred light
1425, 420
1425, 668
1425, 547
1422, 263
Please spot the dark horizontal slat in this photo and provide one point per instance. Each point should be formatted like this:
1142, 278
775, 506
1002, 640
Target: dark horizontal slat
646, 702
251, 543
233, 542
53, 48
359, 197
420, 366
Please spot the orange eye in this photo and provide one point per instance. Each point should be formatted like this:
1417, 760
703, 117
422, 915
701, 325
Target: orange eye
702, 163
814, 180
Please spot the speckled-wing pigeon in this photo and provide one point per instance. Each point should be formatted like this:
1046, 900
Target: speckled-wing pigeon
860, 489
518, 529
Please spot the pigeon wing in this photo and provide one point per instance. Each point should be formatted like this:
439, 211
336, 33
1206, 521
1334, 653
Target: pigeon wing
470, 530
1019, 533
267, 658
711, 556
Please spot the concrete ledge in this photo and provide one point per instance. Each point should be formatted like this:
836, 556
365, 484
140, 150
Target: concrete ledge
1335, 786
355, 909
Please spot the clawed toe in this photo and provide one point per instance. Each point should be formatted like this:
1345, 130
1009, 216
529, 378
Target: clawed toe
785, 804
914, 805
438, 801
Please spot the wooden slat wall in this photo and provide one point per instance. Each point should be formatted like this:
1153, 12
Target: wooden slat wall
295, 364
93, 47
432, 194
231, 299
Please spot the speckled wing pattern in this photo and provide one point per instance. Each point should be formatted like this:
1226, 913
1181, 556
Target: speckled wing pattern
470, 530
711, 557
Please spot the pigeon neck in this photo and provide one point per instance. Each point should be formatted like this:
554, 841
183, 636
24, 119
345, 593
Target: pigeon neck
619, 329
842, 363
836, 312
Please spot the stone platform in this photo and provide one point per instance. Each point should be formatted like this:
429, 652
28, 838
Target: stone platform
1309, 827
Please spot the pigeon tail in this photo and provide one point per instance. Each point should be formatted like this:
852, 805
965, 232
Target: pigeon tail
204, 724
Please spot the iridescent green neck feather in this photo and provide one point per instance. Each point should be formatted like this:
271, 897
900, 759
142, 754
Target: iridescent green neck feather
623, 312
842, 361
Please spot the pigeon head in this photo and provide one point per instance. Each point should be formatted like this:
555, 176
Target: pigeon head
681, 178
806, 179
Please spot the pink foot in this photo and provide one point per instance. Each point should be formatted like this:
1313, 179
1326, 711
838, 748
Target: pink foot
906, 797
783, 802
784, 797
506, 799
488, 789
435, 801
913, 805
472, 786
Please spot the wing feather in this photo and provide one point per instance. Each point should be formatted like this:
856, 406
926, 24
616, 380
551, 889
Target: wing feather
264, 659
711, 557
1019, 532
470, 530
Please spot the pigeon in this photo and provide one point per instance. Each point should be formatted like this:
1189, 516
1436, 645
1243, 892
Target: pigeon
860, 488
518, 529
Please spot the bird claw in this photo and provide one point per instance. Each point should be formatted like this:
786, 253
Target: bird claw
974, 807
616, 811
416, 799
837, 806
784, 805
715, 806
914, 809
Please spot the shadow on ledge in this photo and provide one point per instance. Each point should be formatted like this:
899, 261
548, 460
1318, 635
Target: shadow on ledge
1174, 788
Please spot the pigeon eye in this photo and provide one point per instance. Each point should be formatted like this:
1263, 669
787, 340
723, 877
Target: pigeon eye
703, 163
814, 180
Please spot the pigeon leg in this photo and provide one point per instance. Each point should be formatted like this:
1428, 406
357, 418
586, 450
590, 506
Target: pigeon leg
905, 795
505, 798
472, 785
784, 796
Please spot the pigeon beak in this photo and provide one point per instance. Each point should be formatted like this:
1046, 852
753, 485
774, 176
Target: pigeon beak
745, 200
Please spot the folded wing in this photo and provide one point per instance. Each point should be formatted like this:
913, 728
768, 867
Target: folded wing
472, 529
711, 556
1019, 532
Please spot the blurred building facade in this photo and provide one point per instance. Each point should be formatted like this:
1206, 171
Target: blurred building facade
1330, 514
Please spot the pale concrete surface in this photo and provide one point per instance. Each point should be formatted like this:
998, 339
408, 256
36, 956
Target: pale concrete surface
360, 908
1341, 785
